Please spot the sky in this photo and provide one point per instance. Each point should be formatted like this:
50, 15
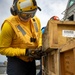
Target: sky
49, 8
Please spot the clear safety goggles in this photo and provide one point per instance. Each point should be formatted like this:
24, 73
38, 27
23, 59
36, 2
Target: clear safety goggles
28, 14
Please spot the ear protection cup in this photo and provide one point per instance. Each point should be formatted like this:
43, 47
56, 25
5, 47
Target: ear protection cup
13, 12
13, 9
34, 2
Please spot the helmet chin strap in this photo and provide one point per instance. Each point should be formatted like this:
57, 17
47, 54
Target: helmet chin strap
24, 19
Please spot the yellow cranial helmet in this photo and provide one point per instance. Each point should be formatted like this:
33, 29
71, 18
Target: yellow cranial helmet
24, 8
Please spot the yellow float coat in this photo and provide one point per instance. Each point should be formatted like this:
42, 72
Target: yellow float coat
15, 37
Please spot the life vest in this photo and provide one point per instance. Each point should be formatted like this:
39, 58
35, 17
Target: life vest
23, 38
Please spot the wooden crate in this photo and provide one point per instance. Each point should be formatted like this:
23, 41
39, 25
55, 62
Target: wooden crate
61, 61
51, 63
67, 59
54, 37
45, 65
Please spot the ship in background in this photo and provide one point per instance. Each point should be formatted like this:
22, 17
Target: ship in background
3, 68
69, 13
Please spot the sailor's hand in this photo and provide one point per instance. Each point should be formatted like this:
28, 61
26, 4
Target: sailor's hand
34, 53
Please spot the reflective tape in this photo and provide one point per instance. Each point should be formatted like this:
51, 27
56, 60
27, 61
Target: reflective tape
35, 25
21, 29
25, 4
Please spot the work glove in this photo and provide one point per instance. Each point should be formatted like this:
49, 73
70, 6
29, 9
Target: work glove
41, 52
34, 53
